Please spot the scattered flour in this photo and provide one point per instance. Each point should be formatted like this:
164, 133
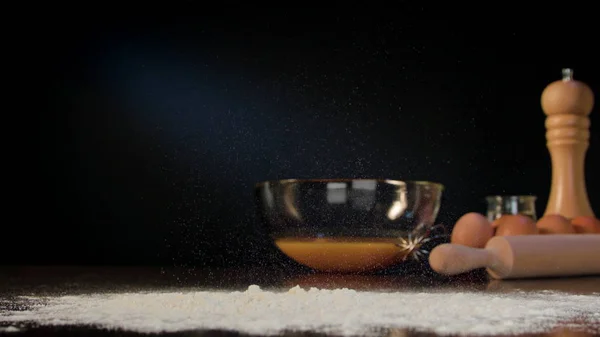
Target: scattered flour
341, 311
9, 329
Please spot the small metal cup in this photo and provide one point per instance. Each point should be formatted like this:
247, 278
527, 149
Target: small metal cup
498, 205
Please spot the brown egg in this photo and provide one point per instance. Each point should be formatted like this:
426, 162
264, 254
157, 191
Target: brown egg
472, 230
554, 224
586, 224
508, 225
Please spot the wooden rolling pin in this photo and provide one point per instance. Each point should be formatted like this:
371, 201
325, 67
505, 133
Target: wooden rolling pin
523, 256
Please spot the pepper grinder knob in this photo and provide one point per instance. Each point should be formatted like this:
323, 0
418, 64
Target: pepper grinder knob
567, 104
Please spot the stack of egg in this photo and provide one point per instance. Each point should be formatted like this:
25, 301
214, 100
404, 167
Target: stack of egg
474, 229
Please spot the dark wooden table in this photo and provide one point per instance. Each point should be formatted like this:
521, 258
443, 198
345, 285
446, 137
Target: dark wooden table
49, 281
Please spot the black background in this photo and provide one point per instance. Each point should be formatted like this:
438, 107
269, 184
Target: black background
158, 120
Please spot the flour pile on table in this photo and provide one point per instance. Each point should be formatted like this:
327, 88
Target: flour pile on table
341, 311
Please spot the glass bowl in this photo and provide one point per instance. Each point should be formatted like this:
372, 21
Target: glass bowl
348, 225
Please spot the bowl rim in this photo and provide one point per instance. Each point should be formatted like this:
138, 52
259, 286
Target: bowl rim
440, 186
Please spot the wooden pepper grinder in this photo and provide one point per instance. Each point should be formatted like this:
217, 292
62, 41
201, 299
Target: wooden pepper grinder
567, 104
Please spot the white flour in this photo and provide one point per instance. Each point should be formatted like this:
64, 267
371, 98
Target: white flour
340, 311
